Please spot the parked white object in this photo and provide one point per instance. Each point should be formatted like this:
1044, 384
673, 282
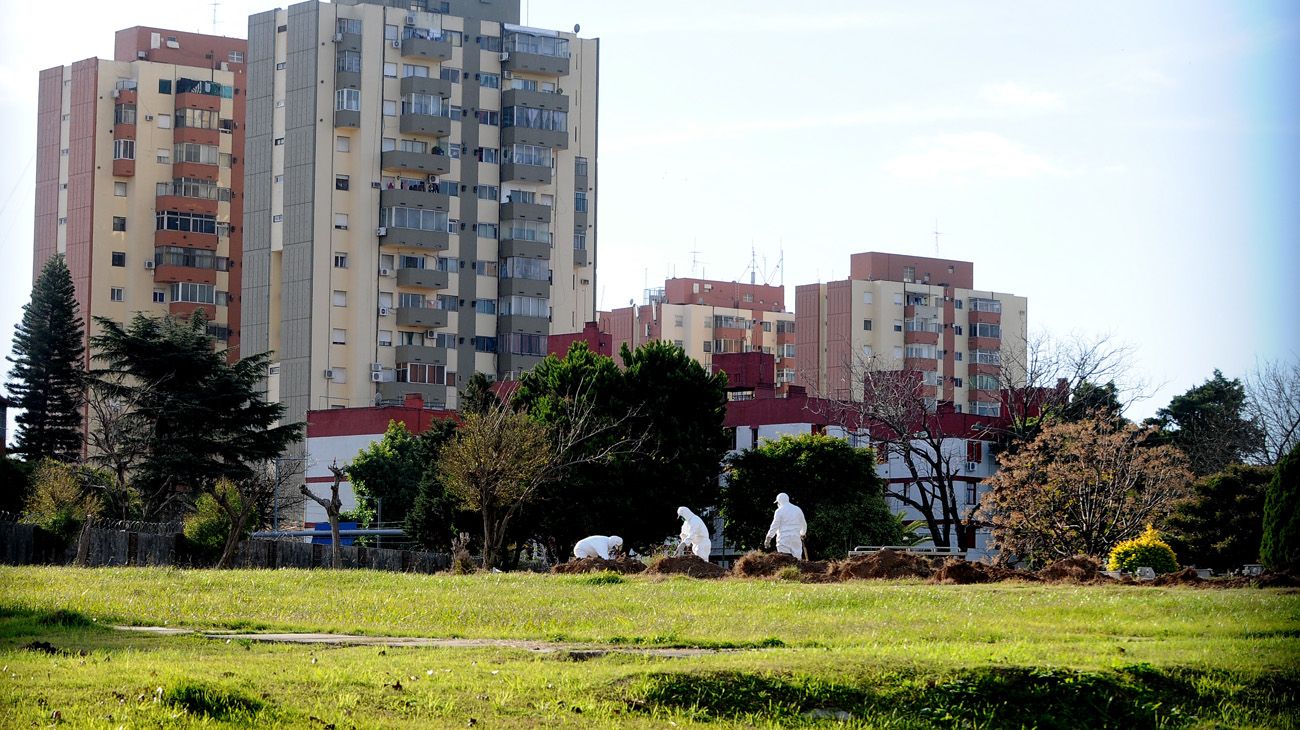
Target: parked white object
694, 534
789, 527
597, 546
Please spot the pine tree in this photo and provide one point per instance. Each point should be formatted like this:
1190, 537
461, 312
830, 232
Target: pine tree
46, 381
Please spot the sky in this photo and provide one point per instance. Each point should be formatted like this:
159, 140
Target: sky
1131, 168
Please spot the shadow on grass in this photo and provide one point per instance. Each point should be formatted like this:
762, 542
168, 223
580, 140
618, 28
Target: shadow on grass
219, 703
1137, 696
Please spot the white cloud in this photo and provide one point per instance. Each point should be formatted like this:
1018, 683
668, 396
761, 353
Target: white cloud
970, 154
1015, 96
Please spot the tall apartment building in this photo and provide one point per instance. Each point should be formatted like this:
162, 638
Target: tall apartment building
138, 177
899, 312
421, 185
706, 317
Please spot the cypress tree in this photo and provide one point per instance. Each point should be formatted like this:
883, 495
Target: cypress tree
47, 378
1280, 548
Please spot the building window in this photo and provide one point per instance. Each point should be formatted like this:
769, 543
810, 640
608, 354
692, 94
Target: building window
196, 293
338, 336
390, 70
485, 344
579, 239
277, 218
164, 157
490, 155
164, 86
279, 141
956, 303
970, 494
341, 144
490, 81
488, 230
909, 274
124, 114
956, 328
341, 182
580, 201
164, 121
866, 325
119, 223
347, 100
340, 261
124, 149
159, 296
985, 305
116, 294
119, 189
235, 56
390, 108
350, 26
280, 67
348, 62
449, 74
339, 298
708, 345
385, 338
485, 306
341, 221
119, 258
488, 117
982, 329
488, 192
898, 325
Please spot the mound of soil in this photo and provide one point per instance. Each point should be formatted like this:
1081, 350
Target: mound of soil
1279, 580
887, 564
596, 565
1078, 569
755, 564
687, 565
1184, 577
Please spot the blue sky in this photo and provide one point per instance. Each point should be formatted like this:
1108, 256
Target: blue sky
1132, 168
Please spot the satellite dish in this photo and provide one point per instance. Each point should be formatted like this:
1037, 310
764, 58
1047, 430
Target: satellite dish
576, 28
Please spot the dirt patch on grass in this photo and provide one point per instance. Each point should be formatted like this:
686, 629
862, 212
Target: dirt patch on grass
960, 572
622, 565
886, 564
687, 565
1078, 569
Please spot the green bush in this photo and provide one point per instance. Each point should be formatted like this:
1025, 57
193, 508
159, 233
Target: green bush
208, 526
1145, 550
1280, 547
60, 502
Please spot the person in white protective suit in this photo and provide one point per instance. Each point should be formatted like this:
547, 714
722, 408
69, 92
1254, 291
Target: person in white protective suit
694, 534
597, 546
788, 527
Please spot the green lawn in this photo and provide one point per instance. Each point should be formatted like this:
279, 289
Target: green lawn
891, 654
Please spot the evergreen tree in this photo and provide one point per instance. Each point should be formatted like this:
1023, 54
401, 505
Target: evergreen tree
47, 378
1280, 548
1211, 425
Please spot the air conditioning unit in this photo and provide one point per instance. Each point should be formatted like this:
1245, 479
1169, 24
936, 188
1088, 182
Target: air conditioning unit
338, 37
376, 367
507, 75
381, 231
384, 311
385, 272
142, 55
410, 20
505, 56
329, 374
397, 44
431, 333
116, 92
972, 465
376, 377
148, 265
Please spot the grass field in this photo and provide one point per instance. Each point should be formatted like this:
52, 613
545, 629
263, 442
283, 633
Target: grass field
889, 654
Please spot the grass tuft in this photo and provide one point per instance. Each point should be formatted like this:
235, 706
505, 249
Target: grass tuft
603, 578
218, 703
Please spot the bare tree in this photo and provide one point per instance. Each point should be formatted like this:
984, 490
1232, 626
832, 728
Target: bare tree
501, 458
114, 439
332, 506
1273, 403
1082, 487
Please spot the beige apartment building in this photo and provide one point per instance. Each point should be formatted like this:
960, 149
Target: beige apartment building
421, 199
898, 312
138, 177
706, 317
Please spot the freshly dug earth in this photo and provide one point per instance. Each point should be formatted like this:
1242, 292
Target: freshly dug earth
887, 564
596, 565
961, 572
755, 564
687, 565
1078, 569
1184, 577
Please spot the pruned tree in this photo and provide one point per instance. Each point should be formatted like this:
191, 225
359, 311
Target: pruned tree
1273, 404
332, 506
47, 378
1081, 488
499, 460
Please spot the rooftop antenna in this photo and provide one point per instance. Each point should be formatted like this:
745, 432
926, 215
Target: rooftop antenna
696, 263
936, 236
214, 17
753, 263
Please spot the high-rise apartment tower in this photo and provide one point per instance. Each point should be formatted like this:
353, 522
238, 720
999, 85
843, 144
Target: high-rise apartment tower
421, 199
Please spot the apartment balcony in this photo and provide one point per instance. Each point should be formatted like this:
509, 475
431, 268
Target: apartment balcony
205, 241
974, 368
185, 310
513, 362
985, 395
983, 317
415, 238
123, 168
167, 274
427, 125
347, 79
524, 288
920, 337
525, 211
347, 42
196, 170
422, 354
984, 343
920, 364
580, 257
426, 85
511, 171
536, 99
182, 204
536, 63
524, 248
427, 48
422, 278
344, 118
422, 199
433, 395
196, 135
125, 96
920, 311
123, 131
421, 317
540, 137
519, 323
419, 162
191, 100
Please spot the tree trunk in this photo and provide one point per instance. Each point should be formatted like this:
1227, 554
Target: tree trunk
489, 540
334, 536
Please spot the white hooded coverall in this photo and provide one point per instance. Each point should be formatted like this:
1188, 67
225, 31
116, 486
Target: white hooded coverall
597, 546
788, 527
694, 534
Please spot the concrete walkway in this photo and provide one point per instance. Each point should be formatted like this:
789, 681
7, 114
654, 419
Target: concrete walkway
574, 650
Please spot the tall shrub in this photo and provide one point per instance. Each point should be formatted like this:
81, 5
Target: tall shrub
1280, 547
1145, 550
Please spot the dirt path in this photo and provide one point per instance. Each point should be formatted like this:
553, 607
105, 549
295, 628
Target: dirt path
574, 650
